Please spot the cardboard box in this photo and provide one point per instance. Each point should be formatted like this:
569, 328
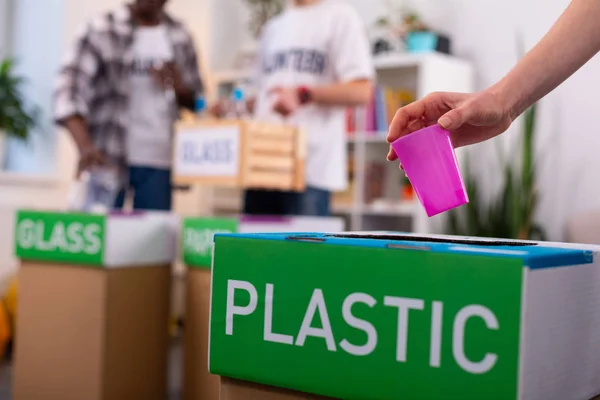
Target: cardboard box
197, 239
382, 317
233, 389
244, 154
197, 235
93, 305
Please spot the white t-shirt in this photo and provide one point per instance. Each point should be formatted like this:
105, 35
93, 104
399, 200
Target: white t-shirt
315, 45
150, 129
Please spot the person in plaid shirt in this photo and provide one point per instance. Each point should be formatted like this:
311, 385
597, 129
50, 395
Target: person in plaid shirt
119, 93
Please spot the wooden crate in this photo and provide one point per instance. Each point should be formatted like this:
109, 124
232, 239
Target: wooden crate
245, 154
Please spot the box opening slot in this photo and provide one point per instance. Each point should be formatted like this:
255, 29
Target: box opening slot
313, 239
425, 239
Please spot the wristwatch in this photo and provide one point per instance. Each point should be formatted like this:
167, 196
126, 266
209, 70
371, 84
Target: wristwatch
304, 95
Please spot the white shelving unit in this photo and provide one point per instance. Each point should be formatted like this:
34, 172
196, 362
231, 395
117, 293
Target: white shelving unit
224, 81
229, 77
420, 73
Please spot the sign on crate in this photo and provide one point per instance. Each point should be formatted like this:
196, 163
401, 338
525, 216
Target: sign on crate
244, 154
208, 151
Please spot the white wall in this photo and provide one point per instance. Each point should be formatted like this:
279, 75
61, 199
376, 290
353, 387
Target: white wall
5, 25
228, 32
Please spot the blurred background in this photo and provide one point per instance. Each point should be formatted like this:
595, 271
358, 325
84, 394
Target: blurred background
538, 181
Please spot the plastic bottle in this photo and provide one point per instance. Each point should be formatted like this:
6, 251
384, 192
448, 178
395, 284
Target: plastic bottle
200, 107
102, 188
77, 193
238, 104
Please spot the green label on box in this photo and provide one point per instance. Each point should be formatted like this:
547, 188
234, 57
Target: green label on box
366, 323
198, 234
60, 237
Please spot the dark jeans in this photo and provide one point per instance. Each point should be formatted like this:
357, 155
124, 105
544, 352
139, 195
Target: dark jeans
311, 202
152, 189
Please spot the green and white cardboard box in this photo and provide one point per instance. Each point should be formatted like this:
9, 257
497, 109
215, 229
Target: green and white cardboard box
198, 232
382, 316
97, 240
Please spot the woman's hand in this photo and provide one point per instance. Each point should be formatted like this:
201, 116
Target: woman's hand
90, 158
168, 76
218, 109
470, 118
286, 100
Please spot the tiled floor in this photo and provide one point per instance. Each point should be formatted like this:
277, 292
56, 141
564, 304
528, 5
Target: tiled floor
175, 375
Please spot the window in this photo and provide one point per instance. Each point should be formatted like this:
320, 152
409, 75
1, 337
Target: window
35, 38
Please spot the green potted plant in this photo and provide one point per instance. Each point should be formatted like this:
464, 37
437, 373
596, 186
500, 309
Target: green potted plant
15, 119
261, 12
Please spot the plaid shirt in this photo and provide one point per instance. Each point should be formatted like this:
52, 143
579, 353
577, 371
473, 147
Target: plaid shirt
93, 81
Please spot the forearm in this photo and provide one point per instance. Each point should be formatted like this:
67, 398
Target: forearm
343, 94
77, 126
186, 98
570, 43
251, 105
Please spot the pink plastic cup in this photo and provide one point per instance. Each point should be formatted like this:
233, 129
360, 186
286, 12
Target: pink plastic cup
430, 164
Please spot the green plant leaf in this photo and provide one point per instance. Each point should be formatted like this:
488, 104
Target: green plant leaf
6, 66
262, 11
453, 224
511, 214
15, 119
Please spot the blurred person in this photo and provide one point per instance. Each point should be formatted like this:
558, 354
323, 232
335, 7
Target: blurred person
471, 118
314, 61
119, 92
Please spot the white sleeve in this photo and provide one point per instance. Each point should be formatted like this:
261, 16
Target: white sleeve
351, 49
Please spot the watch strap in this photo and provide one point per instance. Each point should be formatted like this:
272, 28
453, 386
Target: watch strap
304, 95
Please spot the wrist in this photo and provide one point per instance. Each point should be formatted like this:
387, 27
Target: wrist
86, 149
250, 103
181, 91
305, 95
511, 97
